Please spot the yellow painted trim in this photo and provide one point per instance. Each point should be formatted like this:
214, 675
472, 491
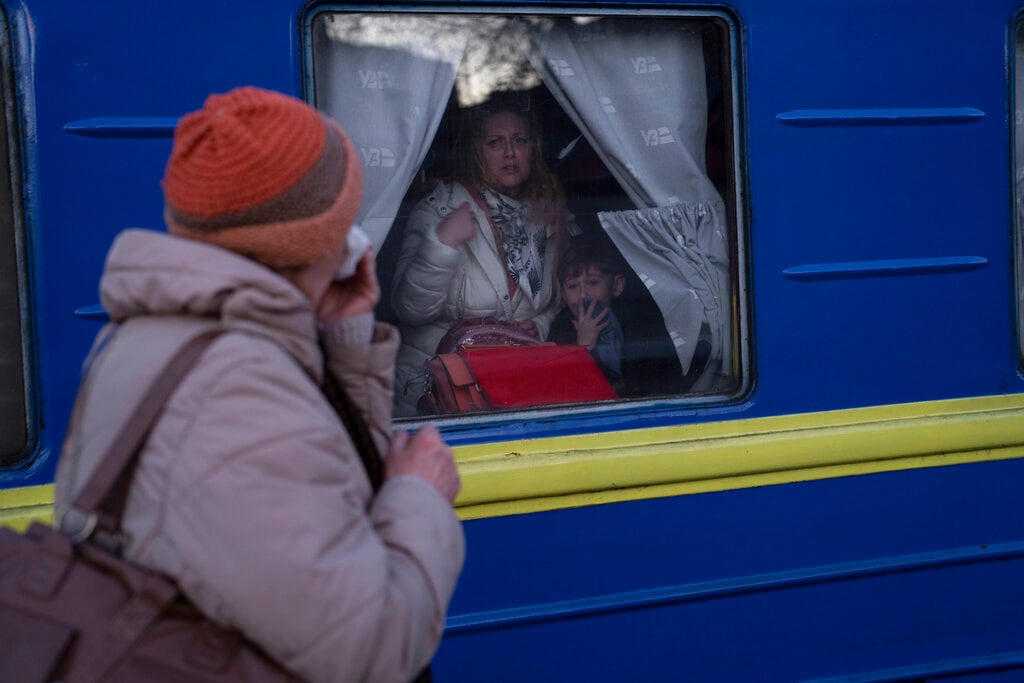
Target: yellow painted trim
545, 474
515, 477
22, 506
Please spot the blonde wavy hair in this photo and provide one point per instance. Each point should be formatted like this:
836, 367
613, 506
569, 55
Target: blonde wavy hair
542, 192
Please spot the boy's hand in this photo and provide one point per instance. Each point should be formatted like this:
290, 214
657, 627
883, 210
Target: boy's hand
588, 326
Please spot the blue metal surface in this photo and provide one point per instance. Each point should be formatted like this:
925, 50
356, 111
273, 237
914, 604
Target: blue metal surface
105, 99
875, 145
842, 193
783, 583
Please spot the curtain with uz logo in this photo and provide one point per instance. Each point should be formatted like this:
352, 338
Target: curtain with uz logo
385, 78
637, 91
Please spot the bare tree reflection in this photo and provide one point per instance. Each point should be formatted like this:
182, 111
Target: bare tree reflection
490, 53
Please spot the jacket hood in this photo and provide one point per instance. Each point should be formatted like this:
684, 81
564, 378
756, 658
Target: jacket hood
154, 273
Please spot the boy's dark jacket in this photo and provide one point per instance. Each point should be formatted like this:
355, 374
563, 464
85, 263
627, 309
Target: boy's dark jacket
650, 366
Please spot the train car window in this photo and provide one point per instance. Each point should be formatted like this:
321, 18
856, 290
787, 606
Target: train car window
15, 432
564, 178
1018, 155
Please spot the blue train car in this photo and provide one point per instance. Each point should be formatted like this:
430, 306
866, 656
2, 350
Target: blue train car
820, 208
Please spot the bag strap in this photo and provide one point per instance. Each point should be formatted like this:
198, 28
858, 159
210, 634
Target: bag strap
359, 431
355, 425
100, 502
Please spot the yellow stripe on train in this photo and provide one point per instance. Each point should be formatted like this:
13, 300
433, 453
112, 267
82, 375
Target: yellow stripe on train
21, 506
532, 475
514, 477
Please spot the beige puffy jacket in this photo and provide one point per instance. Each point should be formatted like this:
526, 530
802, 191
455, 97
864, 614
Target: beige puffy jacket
249, 491
435, 285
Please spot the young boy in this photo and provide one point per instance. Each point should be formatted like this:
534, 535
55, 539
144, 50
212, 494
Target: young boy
591, 276
630, 346
625, 334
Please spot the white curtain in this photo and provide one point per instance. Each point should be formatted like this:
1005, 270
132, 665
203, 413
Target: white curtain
636, 89
680, 254
637, 92
387, 80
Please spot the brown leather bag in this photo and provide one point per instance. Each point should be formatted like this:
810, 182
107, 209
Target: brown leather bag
72, 610
451, 385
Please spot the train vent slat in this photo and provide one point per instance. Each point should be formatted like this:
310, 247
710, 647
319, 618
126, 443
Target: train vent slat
880, 117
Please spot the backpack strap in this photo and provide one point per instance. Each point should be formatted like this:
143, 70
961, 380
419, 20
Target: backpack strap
96, 511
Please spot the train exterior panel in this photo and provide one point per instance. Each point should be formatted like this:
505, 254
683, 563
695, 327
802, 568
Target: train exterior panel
848, 508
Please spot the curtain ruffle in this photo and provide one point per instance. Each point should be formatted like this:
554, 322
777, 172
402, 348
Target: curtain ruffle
680, 252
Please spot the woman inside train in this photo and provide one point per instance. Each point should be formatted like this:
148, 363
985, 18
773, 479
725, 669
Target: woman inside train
483, 244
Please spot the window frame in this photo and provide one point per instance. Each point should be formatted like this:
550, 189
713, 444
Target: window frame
18, 455
626, 413
1016, 85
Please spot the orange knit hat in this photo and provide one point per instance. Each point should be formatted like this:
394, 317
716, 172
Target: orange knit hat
264, 175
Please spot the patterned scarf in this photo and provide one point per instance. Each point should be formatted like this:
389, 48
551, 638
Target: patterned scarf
524, 248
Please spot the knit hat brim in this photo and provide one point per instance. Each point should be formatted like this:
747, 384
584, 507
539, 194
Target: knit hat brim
292, 243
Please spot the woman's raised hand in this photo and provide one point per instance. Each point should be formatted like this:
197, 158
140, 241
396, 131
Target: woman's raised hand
458, 227
424, 454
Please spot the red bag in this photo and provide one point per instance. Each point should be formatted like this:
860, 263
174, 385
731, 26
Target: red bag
545, 374
480, 378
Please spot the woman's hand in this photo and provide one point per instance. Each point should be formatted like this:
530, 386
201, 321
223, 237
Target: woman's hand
424, 454
588, 326
351, 297
458, 227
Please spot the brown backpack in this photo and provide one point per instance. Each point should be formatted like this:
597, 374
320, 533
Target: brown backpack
72, 610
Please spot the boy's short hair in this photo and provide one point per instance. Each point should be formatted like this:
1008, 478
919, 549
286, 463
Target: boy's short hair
585, 253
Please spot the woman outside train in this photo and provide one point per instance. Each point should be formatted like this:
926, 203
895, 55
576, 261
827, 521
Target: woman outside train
271, 512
